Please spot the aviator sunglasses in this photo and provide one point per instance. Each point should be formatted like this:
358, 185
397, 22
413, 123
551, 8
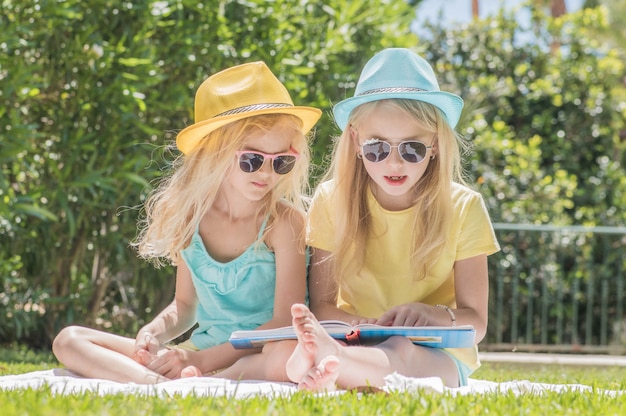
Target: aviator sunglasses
250, 161
376, 150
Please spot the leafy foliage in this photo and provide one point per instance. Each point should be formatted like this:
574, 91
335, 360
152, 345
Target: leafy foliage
549, 136
92, 96
93, 93
548, 128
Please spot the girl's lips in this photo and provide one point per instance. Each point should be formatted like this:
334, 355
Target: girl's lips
395, 180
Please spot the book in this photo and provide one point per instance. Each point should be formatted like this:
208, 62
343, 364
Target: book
365, 334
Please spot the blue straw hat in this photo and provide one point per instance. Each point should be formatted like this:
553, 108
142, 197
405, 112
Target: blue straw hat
399, 73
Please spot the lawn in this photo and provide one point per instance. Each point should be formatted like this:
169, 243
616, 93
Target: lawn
42, 402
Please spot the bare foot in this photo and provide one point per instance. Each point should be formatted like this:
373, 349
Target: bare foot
314, 343
190, 371
322, 377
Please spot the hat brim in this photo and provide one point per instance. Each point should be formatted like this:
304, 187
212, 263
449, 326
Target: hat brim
190, 136
451, 105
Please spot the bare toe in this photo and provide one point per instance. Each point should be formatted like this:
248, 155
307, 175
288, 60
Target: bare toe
190, 371
322, 377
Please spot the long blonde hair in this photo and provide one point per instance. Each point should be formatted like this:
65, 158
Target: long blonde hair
432, 203
174, 209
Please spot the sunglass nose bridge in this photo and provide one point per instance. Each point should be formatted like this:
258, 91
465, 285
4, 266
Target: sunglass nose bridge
412, 151
252, 161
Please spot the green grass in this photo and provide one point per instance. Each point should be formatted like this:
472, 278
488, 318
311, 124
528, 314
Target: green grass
42, 402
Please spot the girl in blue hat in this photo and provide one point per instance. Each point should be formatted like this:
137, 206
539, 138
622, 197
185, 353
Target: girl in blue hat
397, 238
230, 217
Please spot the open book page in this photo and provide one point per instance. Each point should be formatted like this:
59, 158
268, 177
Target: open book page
365, 334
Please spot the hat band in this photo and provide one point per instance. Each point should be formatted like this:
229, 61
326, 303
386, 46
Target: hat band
392, 89
253, 107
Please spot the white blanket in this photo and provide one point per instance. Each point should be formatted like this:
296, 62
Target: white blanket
61, 381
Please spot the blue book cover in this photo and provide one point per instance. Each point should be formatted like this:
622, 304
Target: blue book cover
365, 334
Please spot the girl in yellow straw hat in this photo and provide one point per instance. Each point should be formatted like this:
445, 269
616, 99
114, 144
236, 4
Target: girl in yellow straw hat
396, 236
230, 216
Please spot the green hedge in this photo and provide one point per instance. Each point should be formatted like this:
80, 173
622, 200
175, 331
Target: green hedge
92, 93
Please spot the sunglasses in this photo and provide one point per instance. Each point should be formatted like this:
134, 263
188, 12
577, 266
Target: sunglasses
413, 151
250, 161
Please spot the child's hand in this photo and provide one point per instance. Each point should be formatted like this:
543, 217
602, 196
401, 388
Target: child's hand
171, 363
146, 348
362, 320
409, 314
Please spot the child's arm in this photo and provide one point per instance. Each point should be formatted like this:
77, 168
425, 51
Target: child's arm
174, 320
323, 290
171, 363
471, 285
287, 240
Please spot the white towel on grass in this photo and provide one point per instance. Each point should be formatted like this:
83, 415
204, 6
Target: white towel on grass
397, 382
61, 381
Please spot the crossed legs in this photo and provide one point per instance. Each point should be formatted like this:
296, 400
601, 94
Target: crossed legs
98, 354
319, 361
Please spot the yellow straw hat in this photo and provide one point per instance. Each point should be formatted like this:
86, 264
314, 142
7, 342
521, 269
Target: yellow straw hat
236, 93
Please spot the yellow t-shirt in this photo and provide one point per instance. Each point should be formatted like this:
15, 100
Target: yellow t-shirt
386, 280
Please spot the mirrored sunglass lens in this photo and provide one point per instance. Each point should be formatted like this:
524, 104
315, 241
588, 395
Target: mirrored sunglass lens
250, 162
284, 164
376, 152
413, 152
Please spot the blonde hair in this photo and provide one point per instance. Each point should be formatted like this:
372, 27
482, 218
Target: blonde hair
432, 197
174, 209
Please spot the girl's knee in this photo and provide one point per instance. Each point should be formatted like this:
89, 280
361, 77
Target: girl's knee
67, 337
63, 340
275, 356
416, 361
399, 349
279, 349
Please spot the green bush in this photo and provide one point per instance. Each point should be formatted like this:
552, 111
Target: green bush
93, 94
547, 127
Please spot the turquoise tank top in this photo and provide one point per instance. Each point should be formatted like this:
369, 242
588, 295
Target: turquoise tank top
236, 295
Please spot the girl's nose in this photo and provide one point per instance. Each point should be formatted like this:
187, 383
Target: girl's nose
395, 158
266, 167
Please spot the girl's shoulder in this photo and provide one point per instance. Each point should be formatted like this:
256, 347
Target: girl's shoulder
288, 215
326, 186
288, 226
466, 199
324, 190
462, 192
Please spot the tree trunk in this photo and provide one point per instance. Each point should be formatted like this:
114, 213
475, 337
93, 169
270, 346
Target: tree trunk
557, 9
